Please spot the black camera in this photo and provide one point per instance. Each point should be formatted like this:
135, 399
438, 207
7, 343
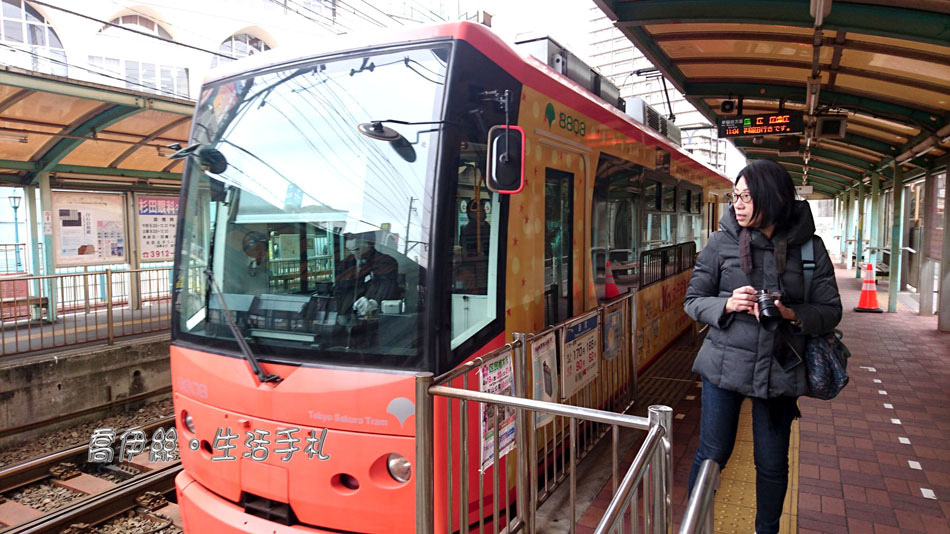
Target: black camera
769, 315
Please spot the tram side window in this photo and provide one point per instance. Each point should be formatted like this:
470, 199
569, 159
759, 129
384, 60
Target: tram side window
668, 198
475, 249
689, 223
651, 195
616, 221
658, 226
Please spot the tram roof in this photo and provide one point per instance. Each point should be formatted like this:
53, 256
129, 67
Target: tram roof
88, 135
884, 64
522, 66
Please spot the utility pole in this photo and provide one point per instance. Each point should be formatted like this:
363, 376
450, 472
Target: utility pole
405, 250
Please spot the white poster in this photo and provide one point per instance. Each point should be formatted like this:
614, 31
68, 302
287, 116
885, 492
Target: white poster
544, 366
580, 363
496, 376
157, 218
88, 228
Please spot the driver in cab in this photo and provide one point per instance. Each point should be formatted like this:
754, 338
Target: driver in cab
365, 277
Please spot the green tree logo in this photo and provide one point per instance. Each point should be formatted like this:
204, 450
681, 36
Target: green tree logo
549, 114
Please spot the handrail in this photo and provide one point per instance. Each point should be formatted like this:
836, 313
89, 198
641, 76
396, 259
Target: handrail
633, 477
578, 412
699, 516
550, 429
57, 310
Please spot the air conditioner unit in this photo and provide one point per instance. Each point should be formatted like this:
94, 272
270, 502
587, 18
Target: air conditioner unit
563, 61
831, 126
647, 115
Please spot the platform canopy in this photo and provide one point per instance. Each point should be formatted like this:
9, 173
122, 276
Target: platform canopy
885, 65
88, 135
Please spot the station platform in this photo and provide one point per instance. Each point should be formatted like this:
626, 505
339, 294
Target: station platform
876, 459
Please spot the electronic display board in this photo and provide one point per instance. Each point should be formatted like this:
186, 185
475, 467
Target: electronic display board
785, 122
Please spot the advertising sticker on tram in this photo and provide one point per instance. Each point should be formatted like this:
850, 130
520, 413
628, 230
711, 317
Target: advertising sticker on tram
543, 354
613, 331
580, 362
496, 376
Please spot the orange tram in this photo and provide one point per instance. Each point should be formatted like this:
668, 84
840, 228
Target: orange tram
354, 217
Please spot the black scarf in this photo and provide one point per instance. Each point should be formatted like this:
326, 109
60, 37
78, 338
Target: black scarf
745, 251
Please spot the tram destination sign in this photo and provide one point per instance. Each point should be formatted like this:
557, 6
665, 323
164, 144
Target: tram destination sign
786, 122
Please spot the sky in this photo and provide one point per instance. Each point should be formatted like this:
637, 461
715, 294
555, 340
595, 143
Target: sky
566, 21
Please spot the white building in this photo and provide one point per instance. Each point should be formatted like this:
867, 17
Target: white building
611, 53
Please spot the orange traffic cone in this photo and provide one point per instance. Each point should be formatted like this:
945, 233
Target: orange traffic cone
610, 287
868, 300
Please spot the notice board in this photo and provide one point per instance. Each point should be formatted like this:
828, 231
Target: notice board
88, 228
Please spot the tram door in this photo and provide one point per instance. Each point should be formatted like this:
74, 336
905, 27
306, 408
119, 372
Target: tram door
558, 245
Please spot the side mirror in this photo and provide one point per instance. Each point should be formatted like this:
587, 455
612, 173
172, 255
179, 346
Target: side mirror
505, 169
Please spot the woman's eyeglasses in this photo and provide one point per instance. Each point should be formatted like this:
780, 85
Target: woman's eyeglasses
744, 196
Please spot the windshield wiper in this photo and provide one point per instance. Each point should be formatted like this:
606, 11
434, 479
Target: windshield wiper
239, 337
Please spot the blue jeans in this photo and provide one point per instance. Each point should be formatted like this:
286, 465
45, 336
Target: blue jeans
771, 427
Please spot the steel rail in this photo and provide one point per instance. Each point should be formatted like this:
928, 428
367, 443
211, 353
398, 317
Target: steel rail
36, 469
100, 507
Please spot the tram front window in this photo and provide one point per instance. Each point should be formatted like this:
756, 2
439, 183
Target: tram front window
314, 234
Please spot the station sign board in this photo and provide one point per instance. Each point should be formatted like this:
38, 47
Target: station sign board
785, 122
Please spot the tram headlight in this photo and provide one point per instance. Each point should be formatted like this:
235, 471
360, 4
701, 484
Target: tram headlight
399, 467
188, 421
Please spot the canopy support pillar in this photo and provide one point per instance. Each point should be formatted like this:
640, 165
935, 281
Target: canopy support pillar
859, 233
943, 306
46, 204
927, 268
897, 234
874, 226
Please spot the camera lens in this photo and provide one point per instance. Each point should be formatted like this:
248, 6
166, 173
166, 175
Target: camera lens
769, 315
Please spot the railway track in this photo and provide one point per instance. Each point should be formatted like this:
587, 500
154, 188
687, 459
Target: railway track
38, 469
101, 507
111, 489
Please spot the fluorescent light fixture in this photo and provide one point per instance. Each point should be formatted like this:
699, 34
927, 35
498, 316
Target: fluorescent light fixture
14, 138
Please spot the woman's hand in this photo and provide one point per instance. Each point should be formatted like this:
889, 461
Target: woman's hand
787, 313
742, 300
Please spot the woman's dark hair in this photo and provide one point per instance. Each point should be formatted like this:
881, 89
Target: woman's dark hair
772, 191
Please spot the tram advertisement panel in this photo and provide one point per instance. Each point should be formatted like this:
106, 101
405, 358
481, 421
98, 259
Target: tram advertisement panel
580, 363
496, 376
88, 228
543, 353
660, 315
157, 218
613, 331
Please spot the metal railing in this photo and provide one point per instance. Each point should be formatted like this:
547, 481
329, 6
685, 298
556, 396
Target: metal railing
699, 517
44, 312
661, 263
543, 440
13, 258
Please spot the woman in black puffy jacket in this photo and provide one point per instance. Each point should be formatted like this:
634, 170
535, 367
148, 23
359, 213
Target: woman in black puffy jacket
758, 247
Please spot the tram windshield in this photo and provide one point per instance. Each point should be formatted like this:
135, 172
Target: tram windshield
307, 230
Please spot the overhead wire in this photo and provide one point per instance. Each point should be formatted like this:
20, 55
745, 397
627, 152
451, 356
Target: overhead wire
383, 168
131, 30
250, 103
330, 20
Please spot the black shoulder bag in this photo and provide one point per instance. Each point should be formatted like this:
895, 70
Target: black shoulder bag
826, 357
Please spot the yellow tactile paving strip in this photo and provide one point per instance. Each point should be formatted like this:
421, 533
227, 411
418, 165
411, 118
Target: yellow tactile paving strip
735, 500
